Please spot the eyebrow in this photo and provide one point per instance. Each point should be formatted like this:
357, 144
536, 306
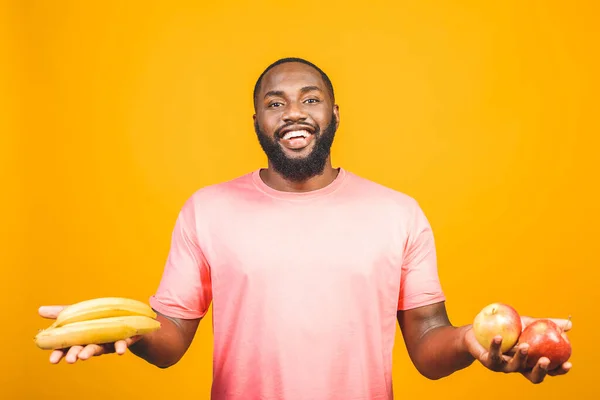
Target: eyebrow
273, 93
310, 88
280, 92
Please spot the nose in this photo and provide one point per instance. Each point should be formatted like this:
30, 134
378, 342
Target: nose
294, 113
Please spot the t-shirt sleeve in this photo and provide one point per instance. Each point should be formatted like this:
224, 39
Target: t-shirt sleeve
185, 289
419, 284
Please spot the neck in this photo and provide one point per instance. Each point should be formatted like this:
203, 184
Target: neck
276, 181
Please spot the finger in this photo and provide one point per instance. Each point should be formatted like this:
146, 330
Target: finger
50, 312
513, 350
563, 369
56, 356
495, 355
540, 370
517, 363
120, 347
565, 324
90, 350
132, 340
71, 356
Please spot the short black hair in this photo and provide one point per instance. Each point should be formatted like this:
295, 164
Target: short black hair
293, 59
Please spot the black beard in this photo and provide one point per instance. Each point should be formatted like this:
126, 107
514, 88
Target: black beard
299, 169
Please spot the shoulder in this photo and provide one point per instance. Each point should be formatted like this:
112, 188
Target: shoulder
378, 193
395, 206
217, 195
221, 190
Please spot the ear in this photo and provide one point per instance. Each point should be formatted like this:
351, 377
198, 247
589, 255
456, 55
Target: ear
336, 112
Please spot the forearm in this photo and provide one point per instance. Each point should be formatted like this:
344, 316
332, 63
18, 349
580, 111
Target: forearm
442, 351
163, 347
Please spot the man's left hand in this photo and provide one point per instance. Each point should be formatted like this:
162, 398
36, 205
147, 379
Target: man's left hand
515, 359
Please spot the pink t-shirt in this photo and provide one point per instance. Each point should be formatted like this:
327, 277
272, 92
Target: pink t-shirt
304, 286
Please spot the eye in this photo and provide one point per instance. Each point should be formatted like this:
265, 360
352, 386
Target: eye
312, 101
274, 104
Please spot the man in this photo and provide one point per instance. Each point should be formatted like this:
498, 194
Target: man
308, 268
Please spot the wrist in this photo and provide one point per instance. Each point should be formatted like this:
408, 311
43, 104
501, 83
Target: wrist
464, 346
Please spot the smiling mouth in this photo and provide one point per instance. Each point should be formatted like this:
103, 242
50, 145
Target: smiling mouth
297, 129
296, 134
296, 139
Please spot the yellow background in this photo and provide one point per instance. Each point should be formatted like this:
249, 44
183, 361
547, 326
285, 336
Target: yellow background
113, 113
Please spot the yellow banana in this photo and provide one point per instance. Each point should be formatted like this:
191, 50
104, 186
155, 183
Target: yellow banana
97, 331
102, 308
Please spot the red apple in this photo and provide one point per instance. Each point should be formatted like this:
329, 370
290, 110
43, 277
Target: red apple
497, 319
546, 339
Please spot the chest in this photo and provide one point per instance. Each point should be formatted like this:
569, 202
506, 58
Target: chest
297, 245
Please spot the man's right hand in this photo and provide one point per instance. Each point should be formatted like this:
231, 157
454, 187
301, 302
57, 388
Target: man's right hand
72, 354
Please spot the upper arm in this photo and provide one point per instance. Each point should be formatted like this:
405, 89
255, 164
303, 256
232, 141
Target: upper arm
421, 301
185, 328
185, 289
419, 280
416, 322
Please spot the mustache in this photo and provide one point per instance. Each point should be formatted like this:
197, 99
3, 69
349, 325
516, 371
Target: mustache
281, 128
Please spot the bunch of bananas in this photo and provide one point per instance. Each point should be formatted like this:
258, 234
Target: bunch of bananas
98, 321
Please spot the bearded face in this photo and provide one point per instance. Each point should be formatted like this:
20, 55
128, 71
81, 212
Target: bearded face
295, 121
284, 148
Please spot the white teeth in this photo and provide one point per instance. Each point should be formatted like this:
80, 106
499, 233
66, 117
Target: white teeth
294, 134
